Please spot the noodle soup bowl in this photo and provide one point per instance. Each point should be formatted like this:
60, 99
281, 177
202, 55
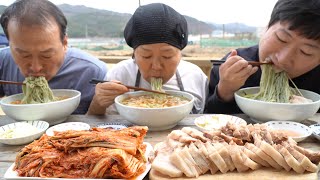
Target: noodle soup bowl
156, 119
52, 112
262, 111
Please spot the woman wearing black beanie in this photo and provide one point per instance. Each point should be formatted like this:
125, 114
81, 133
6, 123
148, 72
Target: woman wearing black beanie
157, 33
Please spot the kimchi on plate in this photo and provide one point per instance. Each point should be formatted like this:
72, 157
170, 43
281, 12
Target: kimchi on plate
96, 153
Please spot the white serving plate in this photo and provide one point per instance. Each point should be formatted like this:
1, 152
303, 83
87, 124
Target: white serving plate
42, 126
12, 175
299, 128
315, 130
216, 121
68, 126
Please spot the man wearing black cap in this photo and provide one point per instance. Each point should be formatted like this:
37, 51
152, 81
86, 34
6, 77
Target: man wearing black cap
157, 33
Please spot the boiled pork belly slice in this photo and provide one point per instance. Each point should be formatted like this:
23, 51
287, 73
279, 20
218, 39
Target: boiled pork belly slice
205, 155
194, 133
235, 154
163, 165
200, 161
242, 132
272, 152
302, 159
224, 152
263, 155
253, 156
174, 143
179, 162
313, 156
294, 99
190, 161
181, 137
292, 162
216, 158
248, 162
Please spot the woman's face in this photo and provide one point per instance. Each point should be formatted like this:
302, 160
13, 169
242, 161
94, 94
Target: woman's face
157, 60
37, 50
288, 50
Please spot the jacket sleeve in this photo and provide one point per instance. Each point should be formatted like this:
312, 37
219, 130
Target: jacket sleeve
214, 104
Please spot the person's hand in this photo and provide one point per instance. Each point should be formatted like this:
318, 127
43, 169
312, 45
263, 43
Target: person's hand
105, 93
233, 74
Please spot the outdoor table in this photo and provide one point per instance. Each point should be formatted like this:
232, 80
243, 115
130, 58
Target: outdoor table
8, 152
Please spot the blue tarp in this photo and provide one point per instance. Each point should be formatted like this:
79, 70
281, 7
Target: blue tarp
3, 40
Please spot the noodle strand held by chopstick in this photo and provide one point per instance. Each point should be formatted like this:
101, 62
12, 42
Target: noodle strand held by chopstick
274, 86
156, 84
36, 90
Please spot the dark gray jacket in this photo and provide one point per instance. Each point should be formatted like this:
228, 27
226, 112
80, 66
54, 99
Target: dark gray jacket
308, 81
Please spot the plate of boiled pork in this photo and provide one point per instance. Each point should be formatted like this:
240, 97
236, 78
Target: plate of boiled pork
238, 151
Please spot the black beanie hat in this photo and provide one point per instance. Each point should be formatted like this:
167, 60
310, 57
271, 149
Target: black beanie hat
156, 23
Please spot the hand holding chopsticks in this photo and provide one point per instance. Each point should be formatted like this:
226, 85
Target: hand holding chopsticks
253, 63
96, 81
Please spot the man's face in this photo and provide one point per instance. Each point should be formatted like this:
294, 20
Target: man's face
158, 60
288, 50
37, 50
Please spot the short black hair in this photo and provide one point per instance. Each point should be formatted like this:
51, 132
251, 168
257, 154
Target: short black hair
34, 12
303, 16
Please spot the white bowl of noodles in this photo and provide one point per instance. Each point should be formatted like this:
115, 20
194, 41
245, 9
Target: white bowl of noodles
262, 111
52, 112
156, 118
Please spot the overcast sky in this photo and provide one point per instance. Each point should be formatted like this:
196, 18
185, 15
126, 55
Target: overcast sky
250, 12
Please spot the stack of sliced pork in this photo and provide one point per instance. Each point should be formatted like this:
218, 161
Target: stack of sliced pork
192, 153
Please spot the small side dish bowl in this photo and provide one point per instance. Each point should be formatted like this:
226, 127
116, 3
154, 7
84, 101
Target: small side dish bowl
261, 111
22, 132
156, 119
216, 121
52, 112
296, 131
68, 126
116, 126
315, 130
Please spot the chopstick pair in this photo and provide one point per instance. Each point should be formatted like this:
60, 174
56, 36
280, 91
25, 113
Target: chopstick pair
96, 81
11, 82
253, 63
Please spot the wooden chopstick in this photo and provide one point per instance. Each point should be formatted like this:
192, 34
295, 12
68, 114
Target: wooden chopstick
96, 81
253, 63
11, 82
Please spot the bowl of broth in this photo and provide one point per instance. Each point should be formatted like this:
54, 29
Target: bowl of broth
157, 111
262, 111
52, 112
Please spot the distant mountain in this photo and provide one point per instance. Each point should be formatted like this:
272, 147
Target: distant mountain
104, 23
94, 22
234, 28
198, 27
89, 22
2, 7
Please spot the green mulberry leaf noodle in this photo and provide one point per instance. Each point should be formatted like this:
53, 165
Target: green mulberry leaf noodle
36, 90
274, 86
156, 85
